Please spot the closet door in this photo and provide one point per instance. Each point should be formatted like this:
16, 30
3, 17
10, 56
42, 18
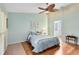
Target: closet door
1, 35
0, 21
3, 31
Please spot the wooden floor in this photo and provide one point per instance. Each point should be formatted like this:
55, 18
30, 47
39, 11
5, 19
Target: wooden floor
65, 49
25, 48
15, 49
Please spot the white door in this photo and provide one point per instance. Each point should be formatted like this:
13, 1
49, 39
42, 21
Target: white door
3, 40
58, 28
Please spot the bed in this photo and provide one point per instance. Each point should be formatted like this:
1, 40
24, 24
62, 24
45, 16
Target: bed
41, 42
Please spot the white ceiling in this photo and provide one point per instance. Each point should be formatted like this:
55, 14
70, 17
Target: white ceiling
29, 7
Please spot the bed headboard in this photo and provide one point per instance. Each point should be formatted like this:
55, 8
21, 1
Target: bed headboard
35, 27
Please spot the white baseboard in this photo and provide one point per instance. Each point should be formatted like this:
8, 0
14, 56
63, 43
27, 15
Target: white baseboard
2, 52
15, 42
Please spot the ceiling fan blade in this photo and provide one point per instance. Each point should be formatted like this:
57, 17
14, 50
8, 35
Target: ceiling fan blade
41, 8
42, 12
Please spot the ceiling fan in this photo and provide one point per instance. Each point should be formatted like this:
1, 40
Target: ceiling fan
50, 8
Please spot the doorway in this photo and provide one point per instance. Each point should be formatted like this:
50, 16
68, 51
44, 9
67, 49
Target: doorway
58, 28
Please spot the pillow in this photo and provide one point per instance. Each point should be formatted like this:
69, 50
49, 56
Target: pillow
33, 33
29, 36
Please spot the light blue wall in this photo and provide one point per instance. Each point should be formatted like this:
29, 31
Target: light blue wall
70, 23
19, 25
